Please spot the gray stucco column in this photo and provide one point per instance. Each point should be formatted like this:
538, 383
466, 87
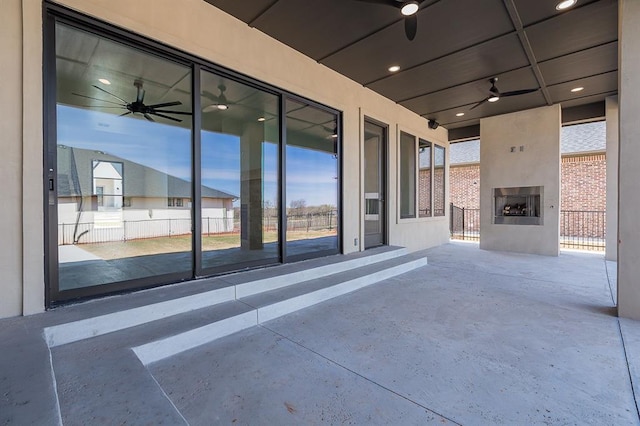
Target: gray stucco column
612, 178
251, 186
629, 166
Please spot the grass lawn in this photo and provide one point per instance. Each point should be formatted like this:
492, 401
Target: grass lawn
182, 243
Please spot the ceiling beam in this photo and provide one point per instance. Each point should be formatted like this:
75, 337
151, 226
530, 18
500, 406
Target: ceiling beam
528, 50
262, 12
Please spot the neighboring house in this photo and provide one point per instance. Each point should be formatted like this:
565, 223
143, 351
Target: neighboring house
99, 192
583, 171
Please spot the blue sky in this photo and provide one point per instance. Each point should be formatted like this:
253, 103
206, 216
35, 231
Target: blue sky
311, 174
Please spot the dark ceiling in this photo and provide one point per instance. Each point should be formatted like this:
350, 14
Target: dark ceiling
459, 46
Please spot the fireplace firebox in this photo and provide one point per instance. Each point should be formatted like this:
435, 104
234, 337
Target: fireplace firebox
518, 205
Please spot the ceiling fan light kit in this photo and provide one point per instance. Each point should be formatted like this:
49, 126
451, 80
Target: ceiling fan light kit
566, 4
409, 8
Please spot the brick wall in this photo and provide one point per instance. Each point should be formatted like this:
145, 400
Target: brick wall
583, 183
464, 186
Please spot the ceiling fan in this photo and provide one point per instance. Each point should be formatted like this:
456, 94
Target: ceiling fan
220, 101
495, 94
138, 106
408, 10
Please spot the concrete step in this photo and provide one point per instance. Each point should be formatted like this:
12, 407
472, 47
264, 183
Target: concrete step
122, 312
275, 303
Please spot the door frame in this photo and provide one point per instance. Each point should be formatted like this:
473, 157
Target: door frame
384, 180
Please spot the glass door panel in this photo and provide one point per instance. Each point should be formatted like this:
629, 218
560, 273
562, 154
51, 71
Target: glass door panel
240, 157
123, 164
374, 184
311, 180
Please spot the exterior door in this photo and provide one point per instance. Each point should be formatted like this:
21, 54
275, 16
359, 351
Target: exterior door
375, 147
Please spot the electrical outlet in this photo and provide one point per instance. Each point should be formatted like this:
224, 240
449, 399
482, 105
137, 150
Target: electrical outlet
355, 242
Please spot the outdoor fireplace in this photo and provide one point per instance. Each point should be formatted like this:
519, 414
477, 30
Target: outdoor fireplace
518, 206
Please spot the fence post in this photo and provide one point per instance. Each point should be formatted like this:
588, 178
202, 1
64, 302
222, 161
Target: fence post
451, 219
463, 223
330, 217
124, 230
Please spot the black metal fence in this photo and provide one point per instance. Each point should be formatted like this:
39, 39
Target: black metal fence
127, 230
584, 230
464, 224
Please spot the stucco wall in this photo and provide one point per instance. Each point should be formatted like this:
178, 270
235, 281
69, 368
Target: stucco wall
538, 164
200, 29
629, 178
611, 252
11, 170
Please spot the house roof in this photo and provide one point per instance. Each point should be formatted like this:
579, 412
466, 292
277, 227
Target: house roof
575, 139
75, 177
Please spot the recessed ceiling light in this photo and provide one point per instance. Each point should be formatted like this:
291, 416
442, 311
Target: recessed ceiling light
566, 4
334, 136
494, 99
409, 8
460, 114
222, 107
577, 89
104, 81
261, 119
394, 68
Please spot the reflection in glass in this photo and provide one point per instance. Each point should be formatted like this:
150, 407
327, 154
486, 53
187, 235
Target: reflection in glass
424, 178
240, 139
407, 176
123, 150
312, 180
439, 181
374, 190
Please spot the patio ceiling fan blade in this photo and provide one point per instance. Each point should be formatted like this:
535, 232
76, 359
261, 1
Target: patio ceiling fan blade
165, 116
172, 112
165, 104
98, 99
110, 94
479, 103
518, 92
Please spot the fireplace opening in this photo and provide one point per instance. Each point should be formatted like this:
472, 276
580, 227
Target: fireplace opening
518, 205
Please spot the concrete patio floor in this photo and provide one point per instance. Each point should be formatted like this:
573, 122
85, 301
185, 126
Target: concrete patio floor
474, 338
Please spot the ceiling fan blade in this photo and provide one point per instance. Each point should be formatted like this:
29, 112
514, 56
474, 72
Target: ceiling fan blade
102, 106
209, 95
111, 94
148, 117
166, 104
479, 103
123, 114
518, 92
411, 26
172, 112
164, 116
97, 99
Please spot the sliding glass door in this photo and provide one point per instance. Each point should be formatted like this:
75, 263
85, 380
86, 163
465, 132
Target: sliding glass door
160, 168
123, 173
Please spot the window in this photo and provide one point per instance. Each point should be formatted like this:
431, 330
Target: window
438, 180
407, 176
424, 178
175, 202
